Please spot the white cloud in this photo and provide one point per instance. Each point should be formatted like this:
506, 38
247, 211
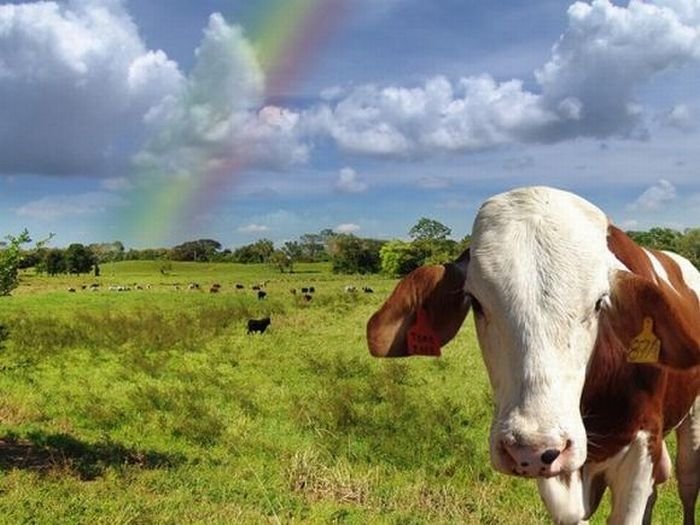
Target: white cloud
347, 228
253, 228
655, 196
680, 117
75, 79
59, 206
348, 182
218, 121
586, 89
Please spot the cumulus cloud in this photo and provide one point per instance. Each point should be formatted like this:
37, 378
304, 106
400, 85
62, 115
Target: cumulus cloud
75, 79
347, 228
348, 182
655, 196
59, 206
586, 89
218, 121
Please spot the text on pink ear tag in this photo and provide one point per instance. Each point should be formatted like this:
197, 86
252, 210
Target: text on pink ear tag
422, 339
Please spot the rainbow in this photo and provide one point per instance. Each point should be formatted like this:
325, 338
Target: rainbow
286, 35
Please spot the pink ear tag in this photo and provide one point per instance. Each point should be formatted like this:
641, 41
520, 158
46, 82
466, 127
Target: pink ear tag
422, 339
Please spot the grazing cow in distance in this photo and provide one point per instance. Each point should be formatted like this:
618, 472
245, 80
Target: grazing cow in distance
258, 325
256, 287
214, 289
239, 286
312, 289
71, 290
591, 343
367, 289
307, 297
350, 289
305, 290
262, 294
193, 286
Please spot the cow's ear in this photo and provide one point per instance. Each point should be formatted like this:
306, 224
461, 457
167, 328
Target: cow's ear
424, 312
655, 323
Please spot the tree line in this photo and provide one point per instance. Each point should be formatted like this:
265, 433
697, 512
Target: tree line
429, 243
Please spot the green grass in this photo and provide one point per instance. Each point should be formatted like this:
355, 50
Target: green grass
155, 406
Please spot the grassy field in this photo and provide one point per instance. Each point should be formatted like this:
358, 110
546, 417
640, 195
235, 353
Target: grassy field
155, 406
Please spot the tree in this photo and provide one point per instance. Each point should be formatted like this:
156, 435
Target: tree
281, 261
10, 257
54, 262
400, 258
657, 238
429, 230
350, 254
108, 251
79, 259
258, 252
204, 250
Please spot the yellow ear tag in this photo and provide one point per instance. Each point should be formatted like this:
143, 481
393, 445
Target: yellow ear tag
422, 339
646, 346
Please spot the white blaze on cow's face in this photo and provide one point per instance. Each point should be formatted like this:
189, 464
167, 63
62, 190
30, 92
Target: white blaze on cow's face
538, 274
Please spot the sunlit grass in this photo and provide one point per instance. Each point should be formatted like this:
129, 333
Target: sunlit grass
155, 406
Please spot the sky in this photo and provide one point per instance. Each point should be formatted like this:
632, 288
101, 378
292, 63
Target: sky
161, 121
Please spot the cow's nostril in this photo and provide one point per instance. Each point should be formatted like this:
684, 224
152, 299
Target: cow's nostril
548, 456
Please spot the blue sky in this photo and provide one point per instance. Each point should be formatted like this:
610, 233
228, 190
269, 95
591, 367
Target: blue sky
402, 109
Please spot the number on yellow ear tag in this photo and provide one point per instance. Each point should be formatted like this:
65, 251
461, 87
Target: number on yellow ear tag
645, 348
422, 339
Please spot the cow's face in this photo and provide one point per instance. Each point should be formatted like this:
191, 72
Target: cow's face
537, 283
543, 278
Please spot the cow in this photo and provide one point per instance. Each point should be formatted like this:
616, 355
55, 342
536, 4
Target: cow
591, 344
239, 286
367, 289
262, 294
258, 325
307, 297
350, 289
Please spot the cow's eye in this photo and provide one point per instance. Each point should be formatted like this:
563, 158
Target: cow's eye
601, 302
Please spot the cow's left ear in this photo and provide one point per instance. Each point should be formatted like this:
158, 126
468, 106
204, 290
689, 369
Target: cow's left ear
424, 312
655, 323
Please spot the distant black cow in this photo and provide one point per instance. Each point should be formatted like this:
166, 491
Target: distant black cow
255, 287
308, 297
239, 286
305, 290
214, 289
258, 325
367, 289
261, 294
72, 290
312, 289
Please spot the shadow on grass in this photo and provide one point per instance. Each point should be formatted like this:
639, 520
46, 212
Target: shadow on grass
44, 453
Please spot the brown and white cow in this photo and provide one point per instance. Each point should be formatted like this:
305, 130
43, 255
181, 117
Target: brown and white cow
591, 343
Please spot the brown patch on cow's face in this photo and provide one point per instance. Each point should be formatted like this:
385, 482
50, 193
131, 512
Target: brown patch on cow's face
437, 292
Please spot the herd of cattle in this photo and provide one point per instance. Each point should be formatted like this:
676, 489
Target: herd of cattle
305, 293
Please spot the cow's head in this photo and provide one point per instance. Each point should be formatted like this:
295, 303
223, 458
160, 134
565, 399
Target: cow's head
543, 286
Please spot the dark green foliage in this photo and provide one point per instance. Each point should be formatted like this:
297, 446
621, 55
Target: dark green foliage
429, 230
258, 252
54, 262
10, 258
351, 254
202, 250
79, 259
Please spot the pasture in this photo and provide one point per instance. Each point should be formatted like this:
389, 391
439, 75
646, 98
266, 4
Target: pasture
155, 406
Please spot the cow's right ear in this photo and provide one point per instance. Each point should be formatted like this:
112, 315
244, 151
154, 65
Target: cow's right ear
424, 312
